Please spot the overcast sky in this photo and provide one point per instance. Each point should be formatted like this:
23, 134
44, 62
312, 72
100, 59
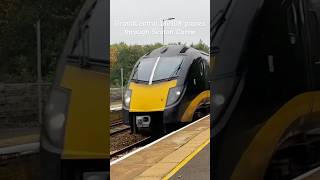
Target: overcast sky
140, 21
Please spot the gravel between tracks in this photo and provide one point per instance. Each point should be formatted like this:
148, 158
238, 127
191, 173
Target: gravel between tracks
122, 140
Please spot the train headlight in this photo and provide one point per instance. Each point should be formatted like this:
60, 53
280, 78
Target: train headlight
218, 99
174, 94
127, 97
55, 118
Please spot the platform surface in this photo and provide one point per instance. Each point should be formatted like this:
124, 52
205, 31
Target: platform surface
311, 175
115, 106
19, 140
13, 137
197, 168
167, 156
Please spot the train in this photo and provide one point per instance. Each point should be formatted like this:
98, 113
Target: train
168, 87
265, 82
74, 142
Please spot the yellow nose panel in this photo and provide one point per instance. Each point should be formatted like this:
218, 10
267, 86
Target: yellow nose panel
86, 131
148, 98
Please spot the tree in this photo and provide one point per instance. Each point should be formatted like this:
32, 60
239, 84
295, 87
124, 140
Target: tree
201, 46
113, 56
18, 36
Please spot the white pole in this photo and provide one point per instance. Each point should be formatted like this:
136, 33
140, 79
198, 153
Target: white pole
163, 32
39, 79
122, 84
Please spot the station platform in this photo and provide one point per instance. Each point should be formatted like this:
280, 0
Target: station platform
197, 168
115, 107
170, 157
19, 140
310, 175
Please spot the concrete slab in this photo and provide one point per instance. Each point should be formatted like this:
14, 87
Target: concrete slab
178, 155
127, 171
158, 170
197, 168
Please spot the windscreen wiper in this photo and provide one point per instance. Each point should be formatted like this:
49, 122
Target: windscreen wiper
135, 70
172, 76
174, 73
139, 81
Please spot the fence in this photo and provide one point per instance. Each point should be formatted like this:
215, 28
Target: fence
19, 104
116, 93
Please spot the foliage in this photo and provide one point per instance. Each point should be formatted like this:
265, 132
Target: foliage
18, 48
113, 55
127, 56
201, 46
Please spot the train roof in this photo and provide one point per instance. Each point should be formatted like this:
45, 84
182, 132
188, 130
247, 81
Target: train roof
174, 50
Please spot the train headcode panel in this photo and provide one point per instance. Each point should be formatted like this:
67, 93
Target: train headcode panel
265, 83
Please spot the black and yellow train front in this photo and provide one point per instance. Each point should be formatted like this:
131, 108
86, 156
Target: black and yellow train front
74, 141
265, 84
166, 88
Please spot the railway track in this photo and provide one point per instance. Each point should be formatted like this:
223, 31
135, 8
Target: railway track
115, 123
131, 147
118, 127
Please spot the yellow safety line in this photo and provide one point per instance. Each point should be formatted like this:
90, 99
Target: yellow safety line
186, 160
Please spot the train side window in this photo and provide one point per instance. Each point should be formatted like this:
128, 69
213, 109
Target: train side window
205, 69
202, 70
195, 75
87, 48
205, 73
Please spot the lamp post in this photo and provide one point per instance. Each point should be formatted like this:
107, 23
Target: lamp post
39, 79
163, 20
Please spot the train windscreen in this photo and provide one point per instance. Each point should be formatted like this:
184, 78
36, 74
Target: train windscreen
157, 69
167, 67
143, 70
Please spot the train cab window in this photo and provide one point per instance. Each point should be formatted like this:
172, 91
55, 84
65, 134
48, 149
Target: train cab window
157, 69
143, 70
88, 49
167, 67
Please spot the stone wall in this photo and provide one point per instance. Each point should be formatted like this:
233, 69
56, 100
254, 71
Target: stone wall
19, 104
